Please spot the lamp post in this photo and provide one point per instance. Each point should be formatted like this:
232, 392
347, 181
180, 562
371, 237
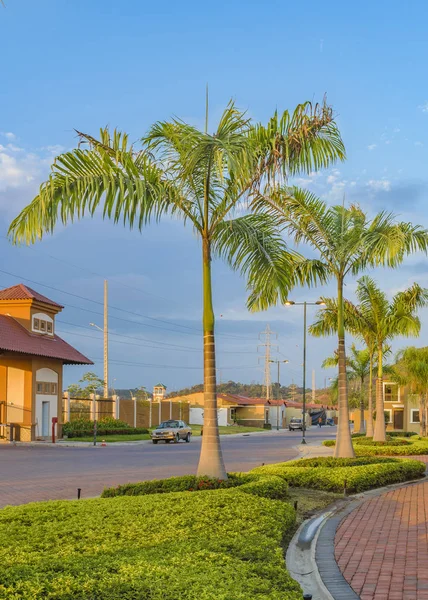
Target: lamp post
304, 304
278, 362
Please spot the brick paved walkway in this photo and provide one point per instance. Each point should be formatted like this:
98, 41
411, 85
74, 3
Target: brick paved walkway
382, 546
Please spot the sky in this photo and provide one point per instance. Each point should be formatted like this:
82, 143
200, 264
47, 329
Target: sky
84, 65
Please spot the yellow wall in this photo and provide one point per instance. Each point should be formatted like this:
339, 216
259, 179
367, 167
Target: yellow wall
22, 310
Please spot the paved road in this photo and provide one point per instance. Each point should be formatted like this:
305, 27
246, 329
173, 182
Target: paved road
32, 473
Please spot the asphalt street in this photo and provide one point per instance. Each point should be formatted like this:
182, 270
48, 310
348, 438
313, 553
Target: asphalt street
52, 472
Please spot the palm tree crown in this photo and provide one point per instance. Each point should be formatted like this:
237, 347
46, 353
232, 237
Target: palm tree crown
207, 180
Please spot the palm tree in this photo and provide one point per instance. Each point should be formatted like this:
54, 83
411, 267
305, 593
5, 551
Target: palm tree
358, 366
346, 243
376, 319
326, 324
412, 369
204, 179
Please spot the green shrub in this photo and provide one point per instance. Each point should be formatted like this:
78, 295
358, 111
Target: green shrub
329, 443
106, 432
223, 544
275, 488
184, 483
389, 442
83, 424
358, 478
331, 462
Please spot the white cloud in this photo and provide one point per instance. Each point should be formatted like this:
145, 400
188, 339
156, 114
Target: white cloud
331, 179
424, 107
372, 147
8, 135
379, 185
397, 130
418, 144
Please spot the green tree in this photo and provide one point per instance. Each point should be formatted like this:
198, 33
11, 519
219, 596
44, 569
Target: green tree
358, 366
411, 369
92, 384
204, 179
346, 243
380, 321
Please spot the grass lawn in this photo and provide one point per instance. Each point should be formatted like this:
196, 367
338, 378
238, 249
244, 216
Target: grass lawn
196, 431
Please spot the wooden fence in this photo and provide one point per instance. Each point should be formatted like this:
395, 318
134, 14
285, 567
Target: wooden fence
137, 413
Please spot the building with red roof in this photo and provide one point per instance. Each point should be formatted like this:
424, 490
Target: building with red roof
32, 357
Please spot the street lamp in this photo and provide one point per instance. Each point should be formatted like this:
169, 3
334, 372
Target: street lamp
105, 332
278, 362
304, 304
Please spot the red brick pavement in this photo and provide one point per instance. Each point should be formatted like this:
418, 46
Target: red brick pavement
382, 546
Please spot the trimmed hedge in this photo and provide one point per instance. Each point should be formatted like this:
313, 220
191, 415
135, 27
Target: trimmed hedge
220, 544
416, 446
356, 478
404, 434
101, 431
184, 483
389, 442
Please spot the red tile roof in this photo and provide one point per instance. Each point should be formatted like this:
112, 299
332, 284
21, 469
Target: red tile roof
23, 292
15, 338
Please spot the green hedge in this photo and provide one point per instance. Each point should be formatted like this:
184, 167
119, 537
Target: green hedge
415, 446
404, 434
221, 544
365, 441
70, 428
184, 483
356, 478
106, 432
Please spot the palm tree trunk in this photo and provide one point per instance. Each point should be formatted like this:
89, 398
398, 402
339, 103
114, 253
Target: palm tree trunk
362, 406
211, 458
369, 431
344, 448
379, 430
423, 415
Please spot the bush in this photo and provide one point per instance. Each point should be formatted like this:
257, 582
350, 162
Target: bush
357, 477
331, 462
84, 424
365, 441
275, 488
106, 432
219, 544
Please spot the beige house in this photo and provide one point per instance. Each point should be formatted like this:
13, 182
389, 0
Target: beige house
401, 406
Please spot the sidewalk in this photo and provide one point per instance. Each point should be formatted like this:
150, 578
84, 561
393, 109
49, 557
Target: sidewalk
381, 547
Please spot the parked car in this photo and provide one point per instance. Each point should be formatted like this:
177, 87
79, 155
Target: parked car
171, 431
329, 421
295, 423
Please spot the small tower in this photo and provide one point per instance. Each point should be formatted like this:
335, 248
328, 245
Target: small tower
159, 392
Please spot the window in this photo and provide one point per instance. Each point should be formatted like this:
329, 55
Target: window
43, 325
46, 387
391, 392
414, 415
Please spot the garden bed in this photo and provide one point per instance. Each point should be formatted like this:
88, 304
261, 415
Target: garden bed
219, 544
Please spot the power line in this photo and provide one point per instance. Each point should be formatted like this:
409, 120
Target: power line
125, 363
267, 345
120, 309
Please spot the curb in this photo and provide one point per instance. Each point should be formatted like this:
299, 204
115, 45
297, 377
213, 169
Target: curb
310, 555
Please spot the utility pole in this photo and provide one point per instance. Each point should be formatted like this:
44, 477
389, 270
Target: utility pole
313, 385
278, 362
267, 345
105, 339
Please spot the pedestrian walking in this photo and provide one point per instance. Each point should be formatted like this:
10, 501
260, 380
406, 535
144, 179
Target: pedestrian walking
319, 422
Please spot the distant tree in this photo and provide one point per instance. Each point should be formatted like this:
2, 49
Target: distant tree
93, 385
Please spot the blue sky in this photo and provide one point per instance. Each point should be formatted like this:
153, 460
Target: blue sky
86, 64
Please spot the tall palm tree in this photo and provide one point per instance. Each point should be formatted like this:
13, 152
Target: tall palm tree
379, 321
358, 366
326, 324
346, 243
411, 369
204, 179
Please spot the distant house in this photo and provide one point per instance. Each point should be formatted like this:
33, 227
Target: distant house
31, 363
252, 412
401, 408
